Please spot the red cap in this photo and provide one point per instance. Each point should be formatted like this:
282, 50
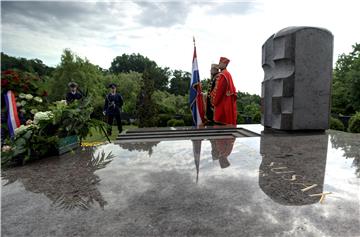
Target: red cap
224, 60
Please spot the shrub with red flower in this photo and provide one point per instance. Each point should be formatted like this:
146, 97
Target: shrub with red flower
4, 82
20, 82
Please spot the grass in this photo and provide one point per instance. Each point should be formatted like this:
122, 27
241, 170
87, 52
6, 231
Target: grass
99, 137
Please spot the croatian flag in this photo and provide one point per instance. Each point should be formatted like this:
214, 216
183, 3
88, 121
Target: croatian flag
13, 118
196, 100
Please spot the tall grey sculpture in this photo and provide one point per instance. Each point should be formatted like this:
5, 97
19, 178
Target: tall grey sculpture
296, 91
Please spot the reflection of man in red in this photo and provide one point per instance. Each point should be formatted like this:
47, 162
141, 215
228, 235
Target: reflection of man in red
221, 149
223, 97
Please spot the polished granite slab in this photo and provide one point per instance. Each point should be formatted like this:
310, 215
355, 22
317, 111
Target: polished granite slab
271, 185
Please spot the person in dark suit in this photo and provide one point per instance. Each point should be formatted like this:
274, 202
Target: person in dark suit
74, 94
112, 107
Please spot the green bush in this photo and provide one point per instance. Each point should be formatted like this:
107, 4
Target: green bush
40, 136
163, 119
188, 119
175, 123
257, 117
125, 122
240, 119
336, 124
98, 111
354, 123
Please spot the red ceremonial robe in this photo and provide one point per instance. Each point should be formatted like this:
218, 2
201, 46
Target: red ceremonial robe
221, 149
223, 98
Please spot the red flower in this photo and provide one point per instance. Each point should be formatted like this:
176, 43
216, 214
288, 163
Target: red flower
25, 88
16, 79
4, 82
7, 72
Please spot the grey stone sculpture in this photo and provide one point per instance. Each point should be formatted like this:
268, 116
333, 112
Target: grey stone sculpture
296, 91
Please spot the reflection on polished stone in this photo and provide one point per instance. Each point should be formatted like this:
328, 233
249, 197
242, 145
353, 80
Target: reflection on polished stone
69, 182
180, 188
350, 144
293, 167
139, 146
221, 149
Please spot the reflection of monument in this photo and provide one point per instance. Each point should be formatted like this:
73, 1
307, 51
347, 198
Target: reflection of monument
293, 167
297, 62
69, 182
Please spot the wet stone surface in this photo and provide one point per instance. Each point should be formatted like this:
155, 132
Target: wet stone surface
272, 185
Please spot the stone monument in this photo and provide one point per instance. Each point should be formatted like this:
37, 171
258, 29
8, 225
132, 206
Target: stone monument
296, 91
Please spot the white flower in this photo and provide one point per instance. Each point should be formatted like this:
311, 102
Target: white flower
29, 96
40, 116
33, 111
21, 129
23, 103
60, 103
38, 99
18, 104
23, 111
6, 148
22, 95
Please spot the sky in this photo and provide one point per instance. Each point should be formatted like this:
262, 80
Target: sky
163, 31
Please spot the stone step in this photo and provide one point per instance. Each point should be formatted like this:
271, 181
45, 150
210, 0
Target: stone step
171, 138
180, 132
184, 135
178, 135
172, 129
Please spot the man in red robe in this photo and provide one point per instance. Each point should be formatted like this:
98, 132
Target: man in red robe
223, 97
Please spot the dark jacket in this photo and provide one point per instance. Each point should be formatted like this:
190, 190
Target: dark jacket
113, 103
70, 97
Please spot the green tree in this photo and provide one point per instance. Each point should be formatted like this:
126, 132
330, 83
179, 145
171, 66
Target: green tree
171, 104
253, 111
346, 83
138, 63
132, 62
128, 85
146, 107
23, 64
180, 82
161, 78
74, 68
244, 99
206, 85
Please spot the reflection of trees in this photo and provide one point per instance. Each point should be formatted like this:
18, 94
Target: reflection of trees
349, 143
68, 181
139, 146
